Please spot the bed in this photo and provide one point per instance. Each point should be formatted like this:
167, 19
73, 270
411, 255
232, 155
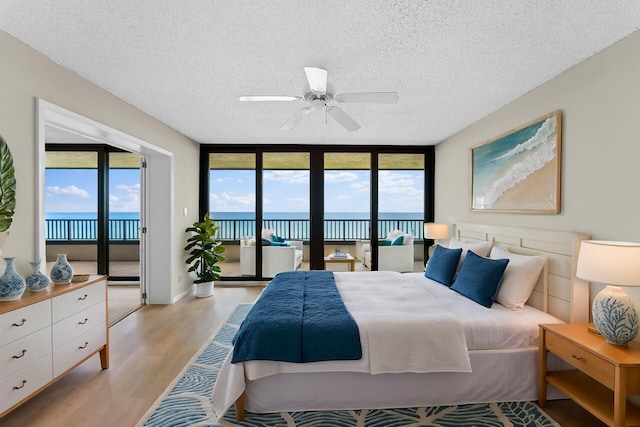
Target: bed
498, 363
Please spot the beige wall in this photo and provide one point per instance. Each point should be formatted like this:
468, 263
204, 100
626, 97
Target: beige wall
600, 103
26, 75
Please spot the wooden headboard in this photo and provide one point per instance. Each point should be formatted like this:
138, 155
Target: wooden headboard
558, 291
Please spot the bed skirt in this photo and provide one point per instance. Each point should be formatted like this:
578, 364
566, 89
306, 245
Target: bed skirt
498, 376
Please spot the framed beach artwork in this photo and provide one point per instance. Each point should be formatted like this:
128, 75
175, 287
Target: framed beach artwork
519, 171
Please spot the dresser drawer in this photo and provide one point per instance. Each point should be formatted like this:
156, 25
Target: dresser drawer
23, 321
20, 385
78, 300
19, 353
587, 362
78, 348
78, 323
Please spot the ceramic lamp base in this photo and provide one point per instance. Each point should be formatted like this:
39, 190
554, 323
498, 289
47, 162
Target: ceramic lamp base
615, 315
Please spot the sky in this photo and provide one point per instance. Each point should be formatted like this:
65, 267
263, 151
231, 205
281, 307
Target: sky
288, 191
75, 190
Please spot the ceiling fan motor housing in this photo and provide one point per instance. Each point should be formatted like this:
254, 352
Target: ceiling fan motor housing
310, 95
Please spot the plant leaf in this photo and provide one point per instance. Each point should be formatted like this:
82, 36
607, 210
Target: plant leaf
7, 186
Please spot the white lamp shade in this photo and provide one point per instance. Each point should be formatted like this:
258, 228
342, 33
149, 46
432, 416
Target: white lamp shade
435, 231
612, 263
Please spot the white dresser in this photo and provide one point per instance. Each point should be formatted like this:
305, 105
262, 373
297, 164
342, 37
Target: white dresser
46, 334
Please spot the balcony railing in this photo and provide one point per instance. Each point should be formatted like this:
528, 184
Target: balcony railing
86, 230
334, 229
79, 230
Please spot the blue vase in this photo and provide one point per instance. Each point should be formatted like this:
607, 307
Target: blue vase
36, 281
12, 286
61, 272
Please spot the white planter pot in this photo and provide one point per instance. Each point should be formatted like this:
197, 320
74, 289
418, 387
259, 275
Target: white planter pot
204, 290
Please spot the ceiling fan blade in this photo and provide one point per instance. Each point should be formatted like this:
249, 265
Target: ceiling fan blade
343, 118
296, 118
269, 98
317, 78
373, 97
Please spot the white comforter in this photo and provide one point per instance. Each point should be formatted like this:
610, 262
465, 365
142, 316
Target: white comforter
407, 324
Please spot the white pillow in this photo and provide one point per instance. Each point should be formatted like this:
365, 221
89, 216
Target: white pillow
267, 232
519, 278
482, 249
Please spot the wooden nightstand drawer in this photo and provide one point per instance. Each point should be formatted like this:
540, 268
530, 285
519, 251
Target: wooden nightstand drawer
589, 363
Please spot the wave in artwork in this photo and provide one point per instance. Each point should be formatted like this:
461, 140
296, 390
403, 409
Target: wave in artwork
515, 165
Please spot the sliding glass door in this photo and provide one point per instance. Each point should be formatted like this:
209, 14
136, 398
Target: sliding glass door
329, 199
232, 205
347, 209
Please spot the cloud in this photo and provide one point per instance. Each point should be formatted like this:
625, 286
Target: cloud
128, 203
291, 177
400, 192
340, 176
231, 202
360, 187
129, 188
70, 190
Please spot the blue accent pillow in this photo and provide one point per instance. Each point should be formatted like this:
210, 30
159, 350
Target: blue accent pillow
276, 238
280, 244
443, 264
398, 241
266, 242
479, 278
385, 242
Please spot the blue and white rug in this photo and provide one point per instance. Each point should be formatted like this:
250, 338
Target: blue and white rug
187, 401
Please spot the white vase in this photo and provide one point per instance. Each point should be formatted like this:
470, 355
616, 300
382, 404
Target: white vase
61, 272
36, 281
615, 316
204, 290
12, 285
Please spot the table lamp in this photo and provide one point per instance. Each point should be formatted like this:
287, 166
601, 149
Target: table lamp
614, 264
435, 231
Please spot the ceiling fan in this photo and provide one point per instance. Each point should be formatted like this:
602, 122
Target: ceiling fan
319, 92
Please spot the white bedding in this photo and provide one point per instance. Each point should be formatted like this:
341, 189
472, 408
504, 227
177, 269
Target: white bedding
414, 304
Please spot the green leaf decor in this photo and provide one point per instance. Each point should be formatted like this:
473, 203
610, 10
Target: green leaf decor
7, 186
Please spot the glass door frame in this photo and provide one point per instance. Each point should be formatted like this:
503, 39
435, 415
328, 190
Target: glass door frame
103, 241
316, 242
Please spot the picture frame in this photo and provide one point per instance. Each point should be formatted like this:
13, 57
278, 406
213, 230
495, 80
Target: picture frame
519, 170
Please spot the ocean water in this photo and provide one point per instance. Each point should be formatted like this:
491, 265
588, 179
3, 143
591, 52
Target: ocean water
90, 215
501, 165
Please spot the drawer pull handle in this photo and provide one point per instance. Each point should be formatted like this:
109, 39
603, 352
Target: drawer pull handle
577, 357
83, 298
20, 324
86, 343
84, 322
24, 351
18, 387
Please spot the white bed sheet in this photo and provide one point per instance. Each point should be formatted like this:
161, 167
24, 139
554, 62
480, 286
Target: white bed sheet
483, 328
494, 328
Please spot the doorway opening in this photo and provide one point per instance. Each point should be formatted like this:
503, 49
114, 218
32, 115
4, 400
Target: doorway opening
155, 269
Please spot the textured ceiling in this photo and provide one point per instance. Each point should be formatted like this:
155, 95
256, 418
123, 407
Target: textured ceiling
186, 62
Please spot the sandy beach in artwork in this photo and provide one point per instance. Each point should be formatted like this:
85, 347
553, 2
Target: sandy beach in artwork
536, 192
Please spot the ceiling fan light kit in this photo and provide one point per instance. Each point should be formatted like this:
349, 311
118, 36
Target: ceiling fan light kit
319, 92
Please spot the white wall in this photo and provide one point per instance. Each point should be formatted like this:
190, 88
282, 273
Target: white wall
600, 103
26, 75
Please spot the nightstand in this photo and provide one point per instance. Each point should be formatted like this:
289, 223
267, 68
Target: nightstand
604, 375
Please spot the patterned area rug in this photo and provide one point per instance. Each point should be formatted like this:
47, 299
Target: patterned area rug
186, 402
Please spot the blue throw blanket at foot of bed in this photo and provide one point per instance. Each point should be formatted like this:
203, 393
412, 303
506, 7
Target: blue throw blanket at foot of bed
300, 317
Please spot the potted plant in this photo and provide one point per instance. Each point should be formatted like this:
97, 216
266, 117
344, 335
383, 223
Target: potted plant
205, 251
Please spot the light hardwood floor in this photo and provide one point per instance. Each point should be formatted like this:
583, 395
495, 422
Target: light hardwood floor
149, 348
